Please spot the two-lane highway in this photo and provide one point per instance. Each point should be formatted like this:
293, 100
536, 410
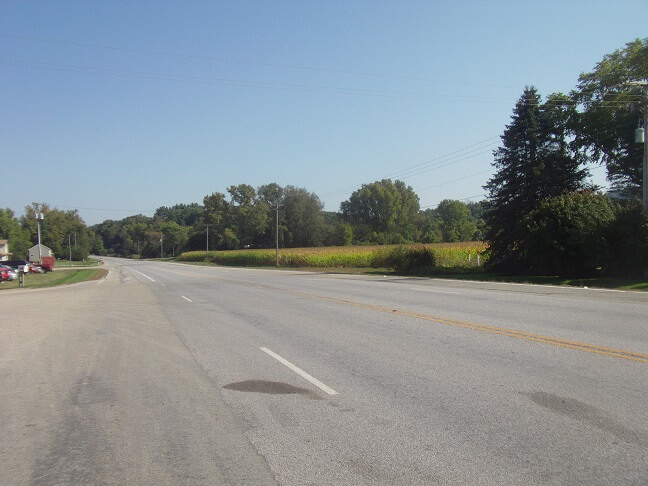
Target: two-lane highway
337, 379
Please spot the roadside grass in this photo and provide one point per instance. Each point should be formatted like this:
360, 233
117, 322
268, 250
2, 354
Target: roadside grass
58, 277
90, 262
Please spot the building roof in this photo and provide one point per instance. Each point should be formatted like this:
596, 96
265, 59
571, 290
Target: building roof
42, 246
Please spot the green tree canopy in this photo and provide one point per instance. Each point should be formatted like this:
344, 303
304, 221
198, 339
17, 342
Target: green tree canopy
12, 231
457, 222
383, 212
303, 219
567, 234
62, 231
183, 214
612, 109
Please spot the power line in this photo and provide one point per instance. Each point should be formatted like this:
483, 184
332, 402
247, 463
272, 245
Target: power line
105, 209
244, 83
340, 192
294, 86
597, 167
258, 63
432, 164
464, 199
455, 180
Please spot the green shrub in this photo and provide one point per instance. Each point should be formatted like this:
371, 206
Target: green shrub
410, 259
627, 238
567, 235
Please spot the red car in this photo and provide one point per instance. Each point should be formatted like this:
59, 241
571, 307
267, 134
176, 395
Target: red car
7, 273
35, 268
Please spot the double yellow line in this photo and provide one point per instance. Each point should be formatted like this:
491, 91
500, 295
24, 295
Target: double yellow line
527, 336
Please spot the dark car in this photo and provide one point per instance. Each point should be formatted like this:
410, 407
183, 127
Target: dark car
18, 265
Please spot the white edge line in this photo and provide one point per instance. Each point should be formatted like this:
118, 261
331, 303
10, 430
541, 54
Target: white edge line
436, 291
300, 372
186, 298
565, 287
141, 274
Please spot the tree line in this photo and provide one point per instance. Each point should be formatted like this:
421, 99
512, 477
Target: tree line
62, 231
246, 217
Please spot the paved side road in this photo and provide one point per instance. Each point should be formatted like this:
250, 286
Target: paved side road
97, 388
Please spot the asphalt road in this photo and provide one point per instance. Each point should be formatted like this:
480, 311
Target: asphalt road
172, 374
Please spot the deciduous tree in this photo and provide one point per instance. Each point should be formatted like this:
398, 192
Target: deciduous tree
383, 212
612, 110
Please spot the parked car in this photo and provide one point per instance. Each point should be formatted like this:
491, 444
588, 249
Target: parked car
34, 268
7, 273
17, 265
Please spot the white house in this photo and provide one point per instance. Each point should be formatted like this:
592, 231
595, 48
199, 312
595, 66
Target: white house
34, 255
4, 250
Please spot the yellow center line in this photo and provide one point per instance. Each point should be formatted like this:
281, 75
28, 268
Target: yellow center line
502, 331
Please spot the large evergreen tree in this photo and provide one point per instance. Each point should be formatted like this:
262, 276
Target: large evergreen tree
533, 163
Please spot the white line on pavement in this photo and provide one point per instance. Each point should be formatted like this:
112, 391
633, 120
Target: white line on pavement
186, 298
163, 285
300, 372
141, 274
434, 290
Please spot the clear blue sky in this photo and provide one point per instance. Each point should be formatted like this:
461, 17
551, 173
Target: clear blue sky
117, 108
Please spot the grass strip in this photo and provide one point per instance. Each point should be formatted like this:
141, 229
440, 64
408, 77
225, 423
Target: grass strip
58, 277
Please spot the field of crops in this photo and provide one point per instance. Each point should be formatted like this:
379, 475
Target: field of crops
438, 255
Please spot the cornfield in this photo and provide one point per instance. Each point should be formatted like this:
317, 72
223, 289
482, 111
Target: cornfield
443, 255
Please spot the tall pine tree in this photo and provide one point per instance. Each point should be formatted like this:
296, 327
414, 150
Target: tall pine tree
533, 163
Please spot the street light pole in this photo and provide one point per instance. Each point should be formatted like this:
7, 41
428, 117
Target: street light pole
207, 237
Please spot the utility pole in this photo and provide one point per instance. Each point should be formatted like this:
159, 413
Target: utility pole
277, 236
644, 84
70, 247
161, 248
207, 237
645, 154
39, 218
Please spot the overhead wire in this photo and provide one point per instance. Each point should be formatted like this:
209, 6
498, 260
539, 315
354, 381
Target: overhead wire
245, 83
596, 167
432, 164
258, 63
114, 72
